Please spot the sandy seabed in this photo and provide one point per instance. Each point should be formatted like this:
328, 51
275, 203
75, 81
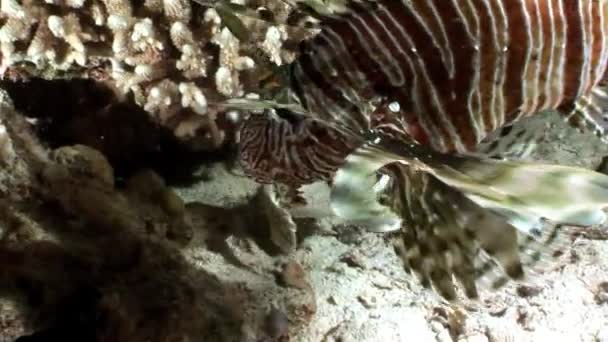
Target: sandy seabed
361, 293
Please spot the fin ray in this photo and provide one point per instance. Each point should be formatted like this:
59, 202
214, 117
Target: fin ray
512, 142
590, 113
447, 238
478, 221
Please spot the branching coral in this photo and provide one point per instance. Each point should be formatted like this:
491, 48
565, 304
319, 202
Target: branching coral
174, 58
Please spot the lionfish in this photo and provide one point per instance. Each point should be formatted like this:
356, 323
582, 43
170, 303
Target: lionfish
407, 104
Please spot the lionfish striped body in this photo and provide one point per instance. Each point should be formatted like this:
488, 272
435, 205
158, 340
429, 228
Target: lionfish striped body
457, 69
443, 74
447, 73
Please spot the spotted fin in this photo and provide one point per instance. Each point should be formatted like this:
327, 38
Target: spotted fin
590, 113
512, 142
446, 237
481, 220
522, 191
528, 193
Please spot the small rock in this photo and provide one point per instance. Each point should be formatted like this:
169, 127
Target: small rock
332, 300
440, 313
499, 312
293, 275
381, 282
601, 293
336, 268
527, 291
353, 259
526, 318
368, 301
349, 235
276, 324
456, 322
375, 315
495, 308
454, 319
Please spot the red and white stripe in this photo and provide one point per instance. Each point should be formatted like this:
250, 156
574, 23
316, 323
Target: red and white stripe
459, 68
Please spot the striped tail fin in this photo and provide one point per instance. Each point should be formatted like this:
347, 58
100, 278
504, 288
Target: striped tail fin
445, 237
480, 220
